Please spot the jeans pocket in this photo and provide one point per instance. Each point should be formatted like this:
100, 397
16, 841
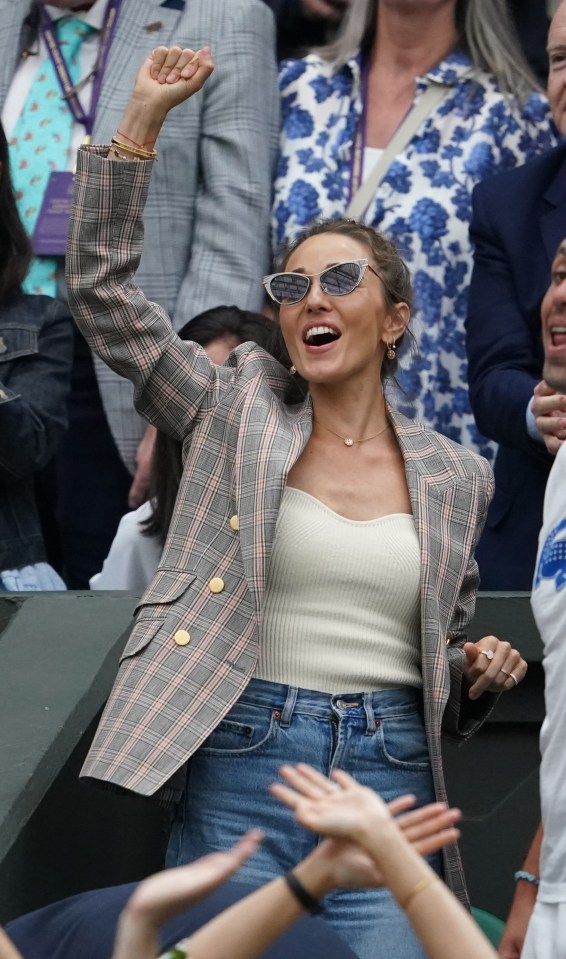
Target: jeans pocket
243, 730
403, 741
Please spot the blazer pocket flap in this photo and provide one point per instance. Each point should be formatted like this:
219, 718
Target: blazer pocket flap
167, 586
140, 637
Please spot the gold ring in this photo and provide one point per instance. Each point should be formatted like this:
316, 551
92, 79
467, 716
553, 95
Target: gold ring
488, 653
505, 673
514, 678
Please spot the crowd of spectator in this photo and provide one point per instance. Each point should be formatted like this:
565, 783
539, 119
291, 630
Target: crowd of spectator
206, 222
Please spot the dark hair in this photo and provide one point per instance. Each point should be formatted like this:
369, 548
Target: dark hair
15, 247
388, 262
220, 322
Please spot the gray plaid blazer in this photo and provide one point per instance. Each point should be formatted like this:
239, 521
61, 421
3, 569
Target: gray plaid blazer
207, 214
240, 440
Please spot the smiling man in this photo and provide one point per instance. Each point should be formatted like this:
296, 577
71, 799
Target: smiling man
505, 353
546, 936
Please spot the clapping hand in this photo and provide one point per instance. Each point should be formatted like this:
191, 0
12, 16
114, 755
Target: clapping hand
349, 813
163, 895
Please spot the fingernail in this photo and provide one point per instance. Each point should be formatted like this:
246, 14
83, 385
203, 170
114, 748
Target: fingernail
188, 71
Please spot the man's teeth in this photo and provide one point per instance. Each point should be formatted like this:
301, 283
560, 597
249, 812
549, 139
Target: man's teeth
319, 331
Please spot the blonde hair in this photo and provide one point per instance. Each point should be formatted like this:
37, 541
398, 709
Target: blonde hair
485, 29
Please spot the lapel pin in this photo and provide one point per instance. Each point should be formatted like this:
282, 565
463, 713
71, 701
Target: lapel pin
153, 27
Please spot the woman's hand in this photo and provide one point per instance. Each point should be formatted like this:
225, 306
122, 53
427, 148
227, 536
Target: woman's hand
166, 78
166, 893
342, 809
492, 665
163, 895
171, 75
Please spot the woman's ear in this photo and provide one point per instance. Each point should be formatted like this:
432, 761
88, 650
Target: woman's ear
397, 323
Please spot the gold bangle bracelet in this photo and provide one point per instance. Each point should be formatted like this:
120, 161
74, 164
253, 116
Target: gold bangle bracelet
142, 154
119, 156
422, 884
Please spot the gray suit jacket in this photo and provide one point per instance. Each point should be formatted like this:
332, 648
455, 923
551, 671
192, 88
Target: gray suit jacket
240, 441
207, 216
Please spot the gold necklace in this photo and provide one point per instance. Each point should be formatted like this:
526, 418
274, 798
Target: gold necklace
347, 440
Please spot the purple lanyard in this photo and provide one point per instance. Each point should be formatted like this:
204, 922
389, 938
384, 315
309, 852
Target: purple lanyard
56, 55
359, 144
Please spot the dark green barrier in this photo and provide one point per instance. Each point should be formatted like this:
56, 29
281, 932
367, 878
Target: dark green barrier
58, 656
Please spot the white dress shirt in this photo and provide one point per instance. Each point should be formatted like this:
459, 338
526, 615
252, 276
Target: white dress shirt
24, 76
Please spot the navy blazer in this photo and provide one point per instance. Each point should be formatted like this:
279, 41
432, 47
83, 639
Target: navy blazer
519, 219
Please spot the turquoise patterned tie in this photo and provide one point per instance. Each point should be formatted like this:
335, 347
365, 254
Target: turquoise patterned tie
40, 143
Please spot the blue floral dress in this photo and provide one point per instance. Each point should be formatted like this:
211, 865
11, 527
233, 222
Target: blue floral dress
423, 203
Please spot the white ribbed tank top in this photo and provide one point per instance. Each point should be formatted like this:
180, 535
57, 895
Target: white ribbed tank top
342, 600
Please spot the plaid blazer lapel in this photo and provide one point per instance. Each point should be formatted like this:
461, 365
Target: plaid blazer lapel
445, 506
267, 449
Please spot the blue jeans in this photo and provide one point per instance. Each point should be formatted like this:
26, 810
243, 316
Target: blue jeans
377, 737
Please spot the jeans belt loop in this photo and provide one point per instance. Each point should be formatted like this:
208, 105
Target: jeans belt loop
288, 709
370, 715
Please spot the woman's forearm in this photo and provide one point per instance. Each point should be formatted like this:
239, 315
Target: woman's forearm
253, 923
435, 914
139, 127
7, 950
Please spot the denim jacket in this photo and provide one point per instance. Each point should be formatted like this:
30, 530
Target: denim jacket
35, 367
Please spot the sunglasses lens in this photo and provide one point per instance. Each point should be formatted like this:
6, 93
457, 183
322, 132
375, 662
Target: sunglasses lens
289, 287
341, 279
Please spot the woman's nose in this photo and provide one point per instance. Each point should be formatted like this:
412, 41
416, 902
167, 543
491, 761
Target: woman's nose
316, 297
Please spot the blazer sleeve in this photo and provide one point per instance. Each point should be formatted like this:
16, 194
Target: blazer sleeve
33, 390
238, 143
463, 716
503, 360
174, 381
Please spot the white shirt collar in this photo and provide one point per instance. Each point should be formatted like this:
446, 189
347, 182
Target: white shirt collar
94, 17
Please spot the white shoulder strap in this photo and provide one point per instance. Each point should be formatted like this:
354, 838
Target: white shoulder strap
432, 96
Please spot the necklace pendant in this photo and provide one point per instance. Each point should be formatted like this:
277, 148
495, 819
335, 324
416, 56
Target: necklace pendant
348, 441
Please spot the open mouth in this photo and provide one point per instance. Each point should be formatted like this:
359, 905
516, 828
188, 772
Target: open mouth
320, 335
558, 335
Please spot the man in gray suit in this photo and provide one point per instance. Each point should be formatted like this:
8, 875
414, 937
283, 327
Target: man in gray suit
206, 222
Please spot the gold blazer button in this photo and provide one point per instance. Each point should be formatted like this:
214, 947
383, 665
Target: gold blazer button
235, 523
182, 637
216, 585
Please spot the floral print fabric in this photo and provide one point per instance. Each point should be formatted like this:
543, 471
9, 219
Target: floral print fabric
423, 204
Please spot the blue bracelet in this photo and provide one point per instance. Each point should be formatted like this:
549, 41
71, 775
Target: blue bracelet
527, 876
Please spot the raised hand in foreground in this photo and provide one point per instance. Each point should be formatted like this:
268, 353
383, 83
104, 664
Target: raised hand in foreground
342, 809
166, 893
